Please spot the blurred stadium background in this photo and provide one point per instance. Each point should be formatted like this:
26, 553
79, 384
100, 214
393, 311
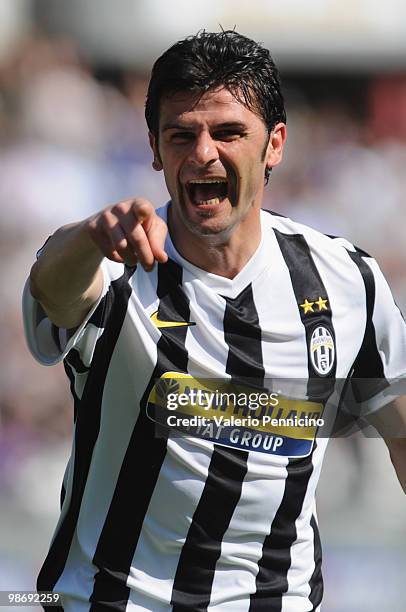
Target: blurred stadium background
73, 77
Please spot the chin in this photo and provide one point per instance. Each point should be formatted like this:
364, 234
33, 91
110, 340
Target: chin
212, 230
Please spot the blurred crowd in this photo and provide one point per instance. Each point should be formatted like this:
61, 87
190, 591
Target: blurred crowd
73, 139
69, 144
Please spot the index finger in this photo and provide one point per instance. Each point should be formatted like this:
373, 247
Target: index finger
143, 212
154, 227
145, 231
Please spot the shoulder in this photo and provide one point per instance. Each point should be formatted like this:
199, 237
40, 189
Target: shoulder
320, 245
162, 211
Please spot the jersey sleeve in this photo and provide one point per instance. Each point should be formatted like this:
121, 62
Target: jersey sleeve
50, 344
379, 373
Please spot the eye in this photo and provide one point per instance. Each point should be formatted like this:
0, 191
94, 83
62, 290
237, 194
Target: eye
227, 135
181, 137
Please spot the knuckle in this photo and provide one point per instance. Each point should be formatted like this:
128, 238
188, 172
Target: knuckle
121, 243
105, 217
138, 239
118, 209
142, 207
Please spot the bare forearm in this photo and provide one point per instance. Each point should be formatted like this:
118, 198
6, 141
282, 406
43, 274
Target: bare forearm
67, 279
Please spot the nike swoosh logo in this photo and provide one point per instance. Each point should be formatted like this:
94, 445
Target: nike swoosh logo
158, 323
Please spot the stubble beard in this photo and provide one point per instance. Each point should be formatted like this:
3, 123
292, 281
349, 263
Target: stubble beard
212, 236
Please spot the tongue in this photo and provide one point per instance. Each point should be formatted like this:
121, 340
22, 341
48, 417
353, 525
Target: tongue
209, 191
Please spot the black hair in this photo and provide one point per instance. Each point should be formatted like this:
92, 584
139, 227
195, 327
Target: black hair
210, 60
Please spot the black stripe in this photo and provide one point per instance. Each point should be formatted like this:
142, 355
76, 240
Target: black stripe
143, 460
86, 432
76, 399
272, 581
227, 469
73, 358
316, 581
243, 336
76, 402
100, 315
361, 252
368, 363
273, 213
62, 495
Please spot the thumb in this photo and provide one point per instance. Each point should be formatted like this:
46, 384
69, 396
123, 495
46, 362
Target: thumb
156, 234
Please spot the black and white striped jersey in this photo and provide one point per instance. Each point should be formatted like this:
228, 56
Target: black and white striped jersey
163, 521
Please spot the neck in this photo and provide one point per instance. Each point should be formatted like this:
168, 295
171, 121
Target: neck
224, 255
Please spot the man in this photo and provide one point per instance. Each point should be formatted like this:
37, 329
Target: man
159, 515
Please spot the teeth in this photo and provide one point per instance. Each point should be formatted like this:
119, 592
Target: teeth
206, 181
211, 202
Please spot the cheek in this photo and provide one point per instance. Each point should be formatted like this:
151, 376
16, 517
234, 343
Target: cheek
253, 174
170, 185
173, 184
171, 175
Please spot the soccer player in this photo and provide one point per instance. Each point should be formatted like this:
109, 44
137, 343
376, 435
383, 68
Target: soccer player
141, 302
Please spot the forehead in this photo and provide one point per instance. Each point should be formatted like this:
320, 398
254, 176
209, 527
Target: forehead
213, 106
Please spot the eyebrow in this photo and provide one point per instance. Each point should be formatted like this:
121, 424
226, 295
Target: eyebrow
219, 126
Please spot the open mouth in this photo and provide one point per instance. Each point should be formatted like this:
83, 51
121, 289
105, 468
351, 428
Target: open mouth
208, 191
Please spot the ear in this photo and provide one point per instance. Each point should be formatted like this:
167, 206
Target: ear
275, 146
157, 163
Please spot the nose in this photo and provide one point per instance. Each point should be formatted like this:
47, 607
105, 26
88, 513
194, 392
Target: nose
204, 150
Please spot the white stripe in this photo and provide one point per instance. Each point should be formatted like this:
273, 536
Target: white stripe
207, 349
241, 549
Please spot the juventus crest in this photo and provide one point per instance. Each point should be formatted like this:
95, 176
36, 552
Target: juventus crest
322, 350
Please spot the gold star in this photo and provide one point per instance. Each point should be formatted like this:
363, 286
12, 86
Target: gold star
321, 304
307, 306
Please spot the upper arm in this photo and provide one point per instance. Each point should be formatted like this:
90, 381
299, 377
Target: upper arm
379, 370
49, 343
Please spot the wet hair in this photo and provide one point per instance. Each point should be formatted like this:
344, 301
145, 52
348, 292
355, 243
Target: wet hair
210, 60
